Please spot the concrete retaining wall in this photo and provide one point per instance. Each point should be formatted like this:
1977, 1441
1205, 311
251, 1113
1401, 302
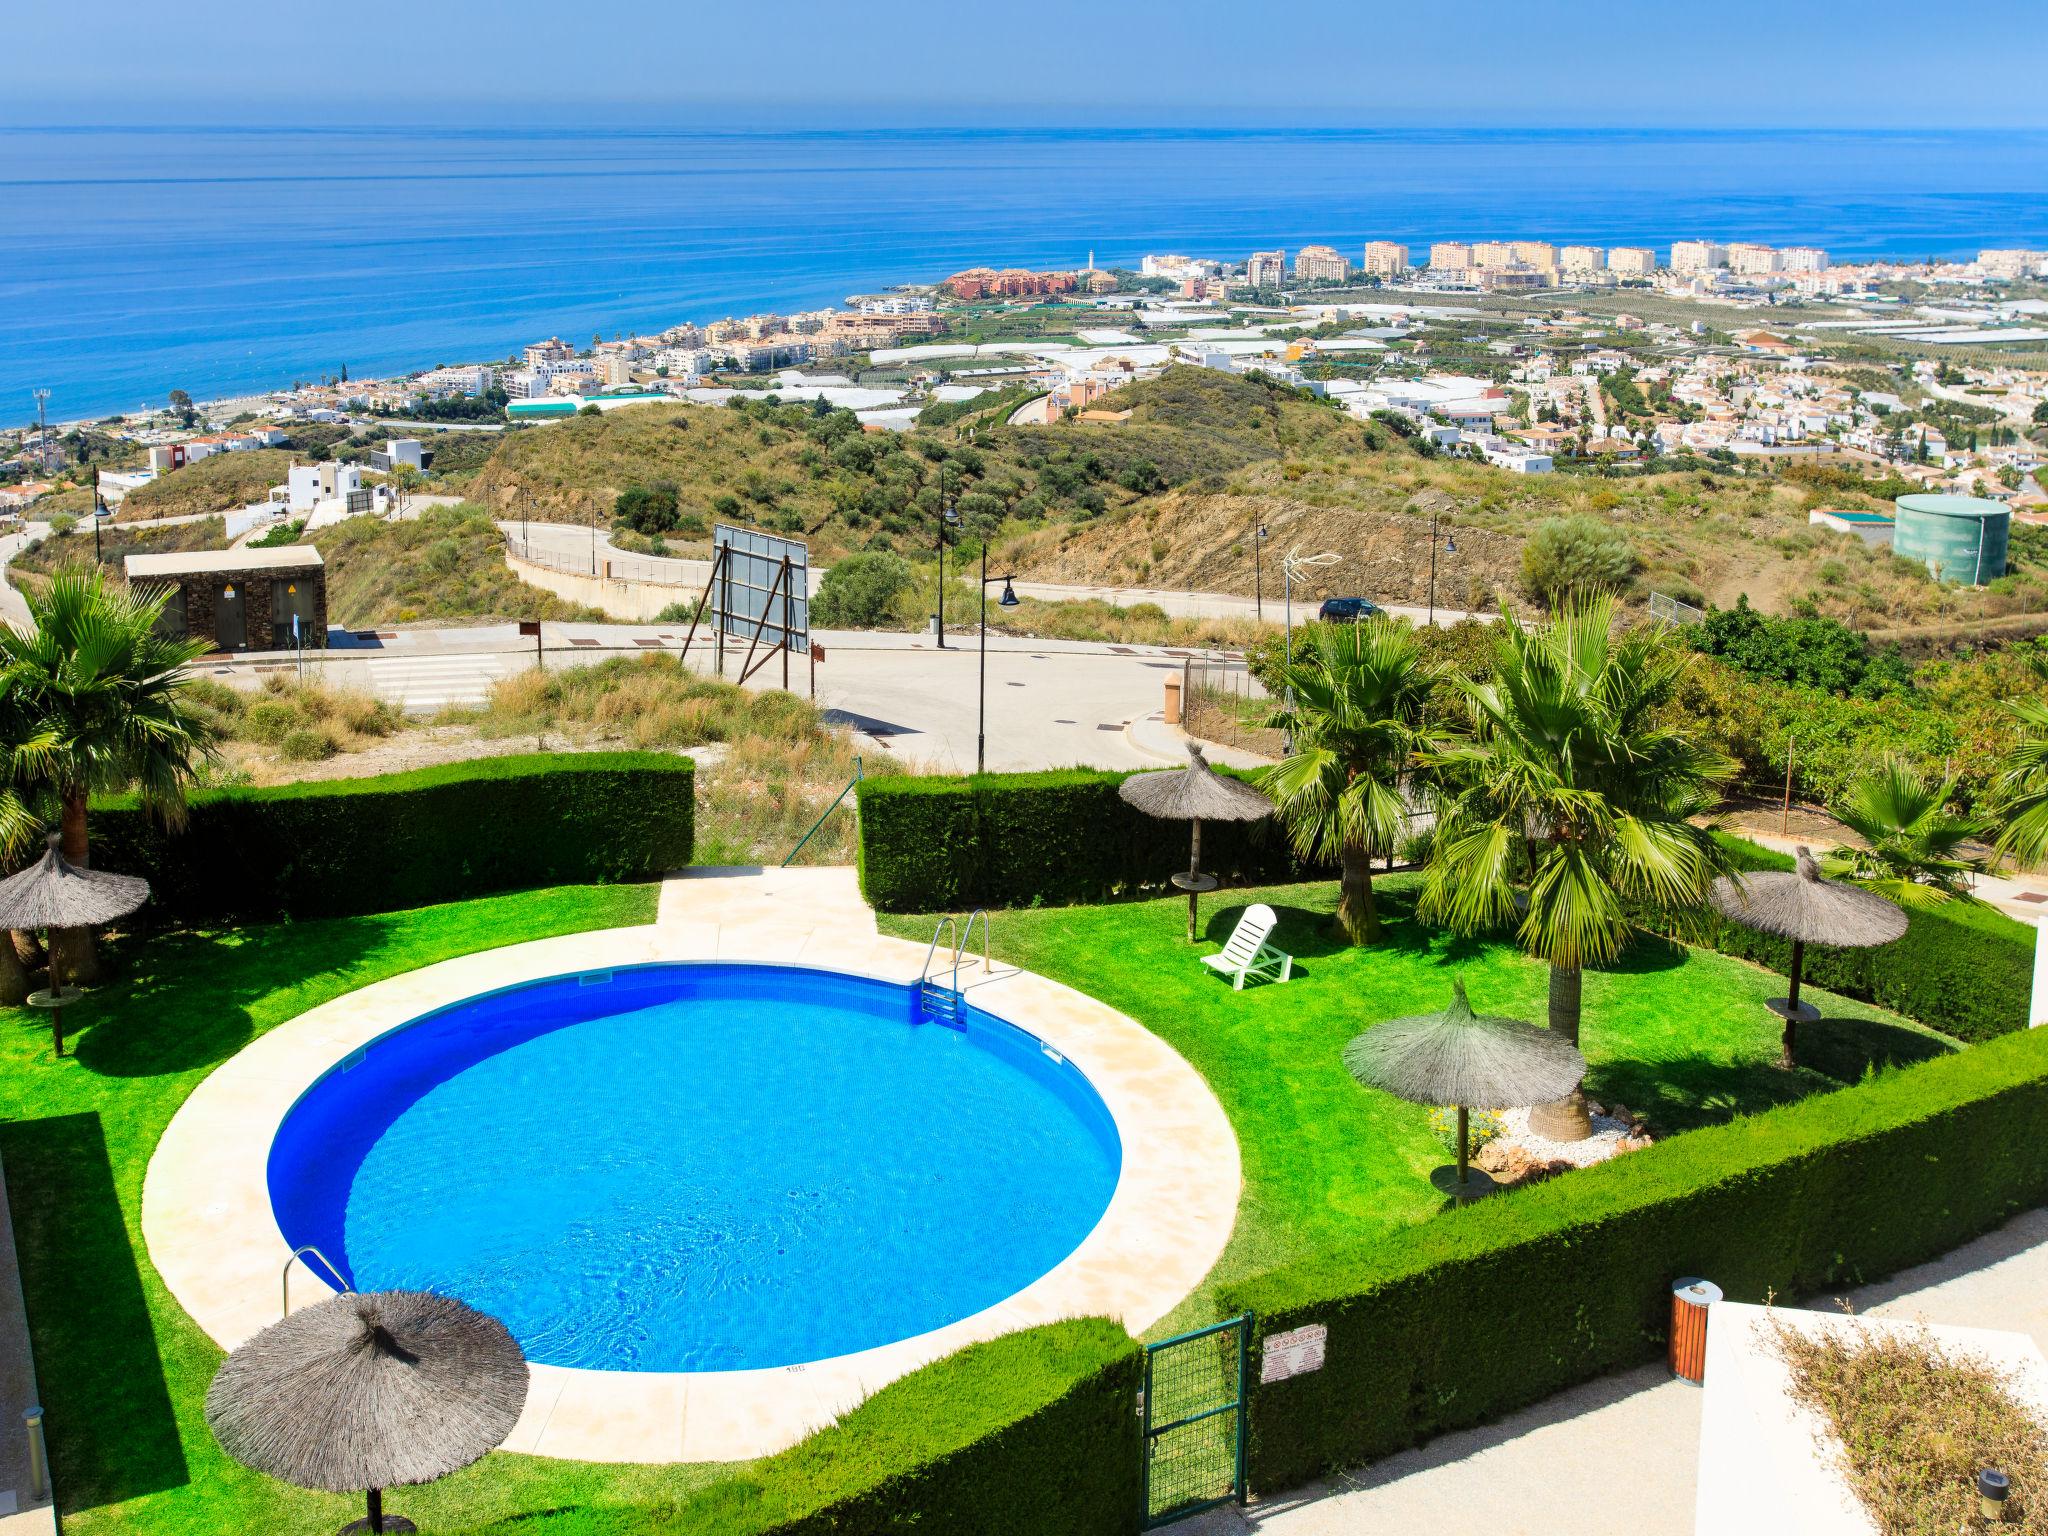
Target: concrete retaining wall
624, 600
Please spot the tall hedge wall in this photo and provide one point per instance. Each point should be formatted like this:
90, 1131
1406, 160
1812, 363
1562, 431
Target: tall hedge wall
1031, 839
344, 846
1036, 1431
1488, 1309
1963, 969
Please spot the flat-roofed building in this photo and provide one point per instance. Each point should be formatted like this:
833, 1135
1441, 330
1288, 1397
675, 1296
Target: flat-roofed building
1534, 253
1266, 269
1386, 258
1492, 253
1577, 260
1697, 256
1320, 264
1752, 260
1802, 258
239, 599
1451, 255
1632, 261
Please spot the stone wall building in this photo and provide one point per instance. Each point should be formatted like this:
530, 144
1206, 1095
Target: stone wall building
240, 599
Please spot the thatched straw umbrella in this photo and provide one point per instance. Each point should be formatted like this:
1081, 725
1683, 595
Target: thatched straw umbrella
1797, 904
357, 1394
1463, 1060
1194, 794
55, 893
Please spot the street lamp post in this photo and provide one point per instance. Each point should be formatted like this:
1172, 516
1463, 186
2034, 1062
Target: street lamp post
1007, 600
946, 515
98, 508
1450, 548
1294, 560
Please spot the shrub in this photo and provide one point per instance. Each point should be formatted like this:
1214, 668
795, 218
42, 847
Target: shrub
1030, 839
649, 508
1034, 1431
404, 840
680, 613
303, 744
857, 592
1571, 557
1489, 1308
270, 720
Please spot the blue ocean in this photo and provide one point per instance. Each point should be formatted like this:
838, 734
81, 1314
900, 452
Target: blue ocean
137, 260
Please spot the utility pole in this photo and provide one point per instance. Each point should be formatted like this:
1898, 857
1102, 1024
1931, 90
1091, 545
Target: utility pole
945, 516
1258, 578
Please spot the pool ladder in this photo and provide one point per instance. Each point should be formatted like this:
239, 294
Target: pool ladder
942, 1004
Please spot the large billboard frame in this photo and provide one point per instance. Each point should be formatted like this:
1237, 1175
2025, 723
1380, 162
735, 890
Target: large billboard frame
759, 588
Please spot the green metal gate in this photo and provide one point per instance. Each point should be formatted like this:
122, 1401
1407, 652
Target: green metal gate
1193, 1410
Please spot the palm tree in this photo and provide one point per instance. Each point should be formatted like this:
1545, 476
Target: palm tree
23, 749
2021, 795
1912, 857
1565, 803
104, 693
1355, 695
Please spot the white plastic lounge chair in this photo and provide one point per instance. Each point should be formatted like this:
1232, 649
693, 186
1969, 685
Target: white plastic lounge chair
1248, 954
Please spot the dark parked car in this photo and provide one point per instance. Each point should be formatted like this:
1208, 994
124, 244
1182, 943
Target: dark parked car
1346, 610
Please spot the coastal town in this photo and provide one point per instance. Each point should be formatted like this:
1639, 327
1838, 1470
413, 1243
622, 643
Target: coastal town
1532, 356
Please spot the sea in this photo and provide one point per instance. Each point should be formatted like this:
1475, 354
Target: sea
135, 260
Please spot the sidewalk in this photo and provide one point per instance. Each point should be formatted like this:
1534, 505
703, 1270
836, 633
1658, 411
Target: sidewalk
1621, 1453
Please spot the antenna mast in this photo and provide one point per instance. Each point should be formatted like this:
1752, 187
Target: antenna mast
43, 426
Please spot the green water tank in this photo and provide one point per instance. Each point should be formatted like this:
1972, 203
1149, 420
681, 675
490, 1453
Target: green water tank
1958, 538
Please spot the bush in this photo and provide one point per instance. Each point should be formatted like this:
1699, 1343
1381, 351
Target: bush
1487, 1309
304, 745
1964, 969
270, 720
680, 613
1570, 557
1031, 839
1034, 1431
649, 508
408, 839
1809, 652
857, 592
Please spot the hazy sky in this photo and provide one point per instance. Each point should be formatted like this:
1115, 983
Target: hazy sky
1733, 63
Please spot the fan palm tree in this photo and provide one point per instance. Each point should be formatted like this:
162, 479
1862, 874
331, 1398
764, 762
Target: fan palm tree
2021, 795
23, 755
103, 693
1356, 694
1566, 803
1913, 857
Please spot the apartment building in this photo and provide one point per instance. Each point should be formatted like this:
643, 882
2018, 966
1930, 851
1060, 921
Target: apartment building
1581, 260
1697, 255
1802, 258
1493, 253
1266, 269
1450, 255
1386, 258
553, 350
1320, 264
1632, 261
1534, 253
1748, 259
2012, 265
469, 379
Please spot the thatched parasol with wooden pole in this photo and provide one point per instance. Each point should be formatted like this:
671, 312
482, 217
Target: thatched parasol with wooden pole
360, 1393
1462, 1060
1194, 794
54, 893
1797, 904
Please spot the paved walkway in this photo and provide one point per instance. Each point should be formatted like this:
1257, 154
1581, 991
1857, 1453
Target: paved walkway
20, 1515
1621, 1453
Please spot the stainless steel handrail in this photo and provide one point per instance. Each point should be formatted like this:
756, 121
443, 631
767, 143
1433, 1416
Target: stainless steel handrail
967, 938
945, 923
286, 1277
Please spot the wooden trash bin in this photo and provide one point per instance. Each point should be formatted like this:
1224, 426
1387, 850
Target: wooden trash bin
1691, 1300
1172, 707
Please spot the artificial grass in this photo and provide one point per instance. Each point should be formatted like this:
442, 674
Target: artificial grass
1679, 1035
122, 1370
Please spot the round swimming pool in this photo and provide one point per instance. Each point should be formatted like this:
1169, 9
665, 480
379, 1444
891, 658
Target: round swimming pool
699, 1167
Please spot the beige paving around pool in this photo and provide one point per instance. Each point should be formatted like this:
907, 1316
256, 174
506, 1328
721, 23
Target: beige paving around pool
207, 1220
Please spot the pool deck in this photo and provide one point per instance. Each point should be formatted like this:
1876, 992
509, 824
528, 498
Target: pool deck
207, 1220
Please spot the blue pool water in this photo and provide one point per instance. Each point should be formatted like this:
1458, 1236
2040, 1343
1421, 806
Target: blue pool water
699, 1167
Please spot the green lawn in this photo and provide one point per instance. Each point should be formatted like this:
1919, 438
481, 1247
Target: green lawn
123, 1371
1678, 1034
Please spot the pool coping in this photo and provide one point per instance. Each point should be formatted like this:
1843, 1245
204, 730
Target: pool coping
210, 1231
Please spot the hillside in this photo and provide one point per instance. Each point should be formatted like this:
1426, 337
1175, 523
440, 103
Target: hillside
45, 556
803, 470
217, 484
447, 563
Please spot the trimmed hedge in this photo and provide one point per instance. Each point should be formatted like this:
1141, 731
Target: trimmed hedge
339, 847
1964, 969
1487, 1309
1038, 839
1035, 1431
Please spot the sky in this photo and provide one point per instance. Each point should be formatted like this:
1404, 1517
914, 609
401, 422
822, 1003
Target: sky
1226, 63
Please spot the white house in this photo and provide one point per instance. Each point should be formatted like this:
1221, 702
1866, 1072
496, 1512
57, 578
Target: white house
307, 485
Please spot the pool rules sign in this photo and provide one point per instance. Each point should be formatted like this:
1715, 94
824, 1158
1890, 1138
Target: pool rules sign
1293, 1353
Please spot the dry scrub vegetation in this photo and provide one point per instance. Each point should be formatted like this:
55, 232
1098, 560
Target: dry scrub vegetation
1913, 1422
768, 763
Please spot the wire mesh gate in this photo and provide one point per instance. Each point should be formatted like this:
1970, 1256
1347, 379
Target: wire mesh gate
1193, 1407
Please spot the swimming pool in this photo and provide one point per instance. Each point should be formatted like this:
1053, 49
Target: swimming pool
698, 1167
